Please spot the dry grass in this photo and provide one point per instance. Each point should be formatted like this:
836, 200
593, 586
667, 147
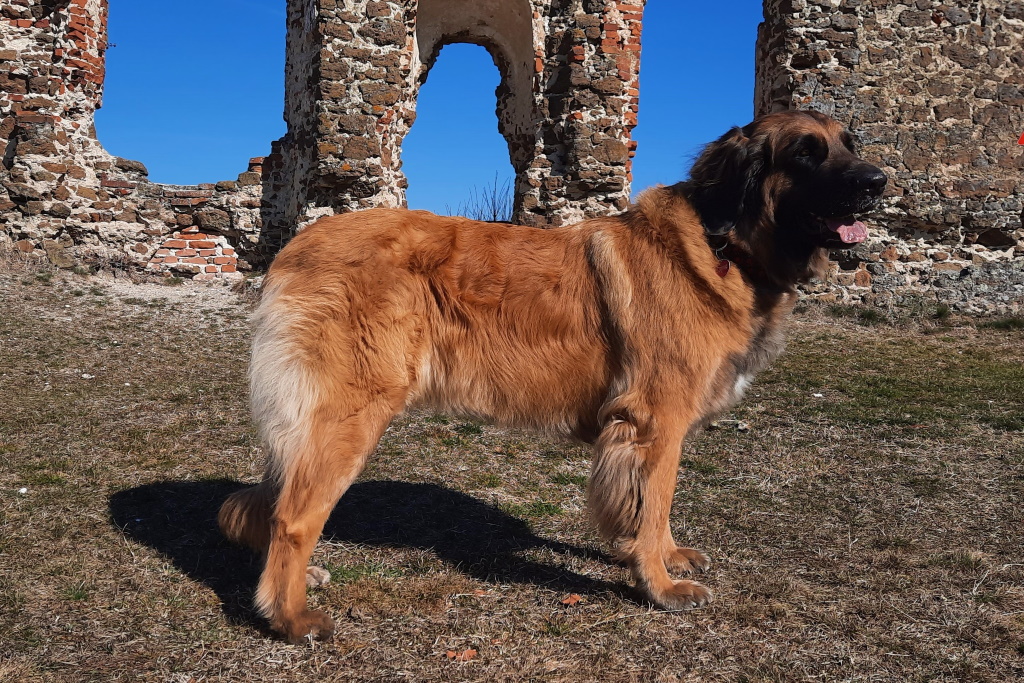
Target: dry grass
872, 533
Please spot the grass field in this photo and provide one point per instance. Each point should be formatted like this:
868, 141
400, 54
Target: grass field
864, 518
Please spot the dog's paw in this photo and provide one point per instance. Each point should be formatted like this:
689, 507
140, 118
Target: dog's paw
308, 626
681, 595
686, 561
317, 577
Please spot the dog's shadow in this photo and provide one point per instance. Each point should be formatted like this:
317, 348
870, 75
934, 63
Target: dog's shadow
179, 519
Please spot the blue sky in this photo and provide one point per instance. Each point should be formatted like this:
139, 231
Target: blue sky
196, 88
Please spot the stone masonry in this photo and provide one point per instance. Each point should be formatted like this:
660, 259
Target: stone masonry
566, 104
933, 91
61, 193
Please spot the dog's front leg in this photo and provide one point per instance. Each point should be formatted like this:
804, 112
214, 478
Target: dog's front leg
679, 559
630, 496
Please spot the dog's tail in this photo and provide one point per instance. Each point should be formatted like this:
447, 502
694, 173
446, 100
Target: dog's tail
282, 395
245, 516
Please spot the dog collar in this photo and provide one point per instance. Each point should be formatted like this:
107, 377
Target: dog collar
729, 255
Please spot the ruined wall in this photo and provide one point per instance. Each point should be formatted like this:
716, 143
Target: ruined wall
935, 94
566, 104
61, 193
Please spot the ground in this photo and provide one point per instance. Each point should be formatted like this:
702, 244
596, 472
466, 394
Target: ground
863, 515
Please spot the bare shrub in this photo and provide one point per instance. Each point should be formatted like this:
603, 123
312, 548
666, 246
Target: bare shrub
493, 202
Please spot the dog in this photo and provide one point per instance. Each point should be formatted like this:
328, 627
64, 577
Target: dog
628, 333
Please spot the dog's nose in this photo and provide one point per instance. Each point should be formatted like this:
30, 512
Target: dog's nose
872, 181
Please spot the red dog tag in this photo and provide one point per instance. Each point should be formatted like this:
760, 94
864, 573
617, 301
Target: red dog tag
722, 268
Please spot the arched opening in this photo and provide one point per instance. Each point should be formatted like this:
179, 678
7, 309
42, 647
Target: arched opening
696, 81
455, 159
193, 89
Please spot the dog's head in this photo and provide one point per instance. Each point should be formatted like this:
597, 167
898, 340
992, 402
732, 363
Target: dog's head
788, 186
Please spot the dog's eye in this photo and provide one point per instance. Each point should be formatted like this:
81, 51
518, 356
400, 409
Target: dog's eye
849, 143
802, 153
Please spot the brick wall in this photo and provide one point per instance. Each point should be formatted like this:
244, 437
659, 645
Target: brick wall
567, 101
566, 104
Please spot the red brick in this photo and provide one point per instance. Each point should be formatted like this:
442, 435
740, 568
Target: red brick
189, 194
187, 252
228, 251
211, 269
195, 236
221, 260
194, 259
207, 252
175, 244
32, 117
228, 269
121, 184
200, 244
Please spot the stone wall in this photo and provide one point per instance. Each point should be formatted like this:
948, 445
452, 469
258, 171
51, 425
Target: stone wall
62, 194
935, 93
566, 104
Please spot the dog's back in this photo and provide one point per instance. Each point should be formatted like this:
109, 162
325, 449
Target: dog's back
465, 316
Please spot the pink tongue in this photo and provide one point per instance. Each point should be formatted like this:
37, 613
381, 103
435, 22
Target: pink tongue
851, 233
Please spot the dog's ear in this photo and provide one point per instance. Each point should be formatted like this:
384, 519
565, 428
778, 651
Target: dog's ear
725, 181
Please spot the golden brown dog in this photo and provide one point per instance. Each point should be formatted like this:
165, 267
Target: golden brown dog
625, 332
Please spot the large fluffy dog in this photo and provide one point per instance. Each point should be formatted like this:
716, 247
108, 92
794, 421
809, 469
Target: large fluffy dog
625, 332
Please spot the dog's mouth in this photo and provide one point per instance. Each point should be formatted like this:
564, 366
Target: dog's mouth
849, 229
841, 231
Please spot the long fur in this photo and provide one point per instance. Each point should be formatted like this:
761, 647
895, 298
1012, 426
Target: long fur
620, 332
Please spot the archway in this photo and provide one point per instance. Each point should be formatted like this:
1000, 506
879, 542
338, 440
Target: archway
505, 29
453, 157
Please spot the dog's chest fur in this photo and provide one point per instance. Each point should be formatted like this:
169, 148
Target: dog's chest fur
739, 370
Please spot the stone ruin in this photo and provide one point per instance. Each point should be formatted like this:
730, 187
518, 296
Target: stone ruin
934, 91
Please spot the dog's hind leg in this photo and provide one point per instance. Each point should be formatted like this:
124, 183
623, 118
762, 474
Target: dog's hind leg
310, 482
630, 496
245, 518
